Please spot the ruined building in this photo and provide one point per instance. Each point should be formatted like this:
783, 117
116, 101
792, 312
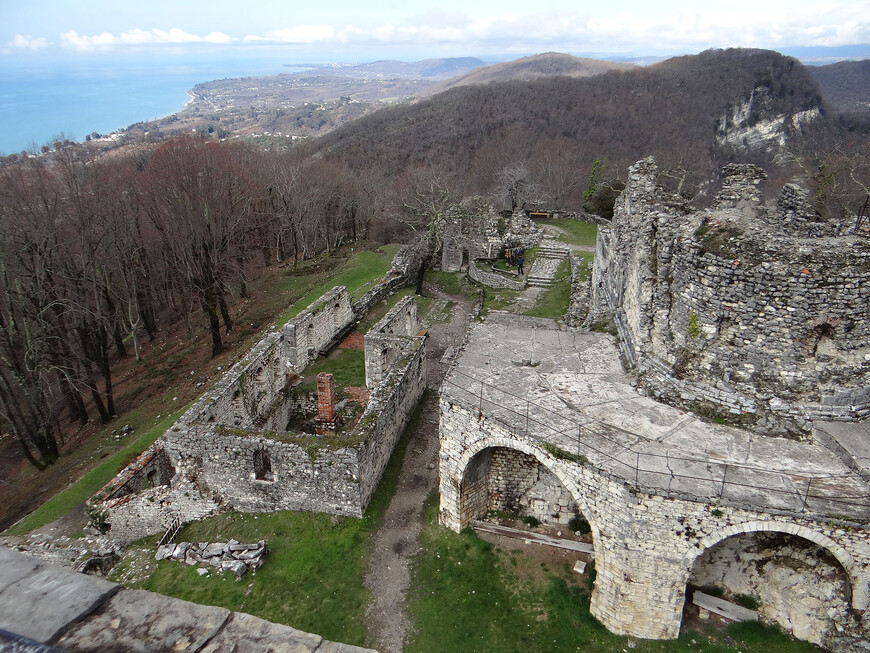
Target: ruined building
259, 441
720, 439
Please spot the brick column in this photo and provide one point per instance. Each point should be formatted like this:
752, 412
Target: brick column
325, 404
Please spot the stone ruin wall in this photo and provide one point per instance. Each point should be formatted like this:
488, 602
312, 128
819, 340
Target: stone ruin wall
314, 328
798, 584
783, 332
646, 545
385, 342
389, 409
315, 477
205, 461
504, 480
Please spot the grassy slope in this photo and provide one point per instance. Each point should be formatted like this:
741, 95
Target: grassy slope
578, 232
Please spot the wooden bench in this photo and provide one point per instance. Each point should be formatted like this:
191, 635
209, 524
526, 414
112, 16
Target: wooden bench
724, 608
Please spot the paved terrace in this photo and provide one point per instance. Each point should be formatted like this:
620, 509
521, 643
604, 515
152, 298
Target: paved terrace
568, 389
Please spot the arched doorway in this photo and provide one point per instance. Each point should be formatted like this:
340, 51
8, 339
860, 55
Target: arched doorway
790, 580
502, 480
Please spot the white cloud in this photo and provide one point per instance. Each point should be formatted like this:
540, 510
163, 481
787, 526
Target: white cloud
76, 41
298, 34
27, 42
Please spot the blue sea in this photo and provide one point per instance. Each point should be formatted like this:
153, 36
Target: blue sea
39, 102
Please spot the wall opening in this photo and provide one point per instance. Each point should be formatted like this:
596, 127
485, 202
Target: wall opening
788, 579
262, 465
503, 482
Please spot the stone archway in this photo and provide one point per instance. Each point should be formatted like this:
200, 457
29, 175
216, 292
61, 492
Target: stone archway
506, 480
469, 497
794, 576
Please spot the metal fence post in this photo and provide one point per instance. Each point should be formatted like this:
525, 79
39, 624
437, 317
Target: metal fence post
807, 494
722, 487
636, 469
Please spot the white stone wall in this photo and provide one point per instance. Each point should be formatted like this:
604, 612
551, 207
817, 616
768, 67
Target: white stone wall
385, 343
310, 331
798, 584
645, 545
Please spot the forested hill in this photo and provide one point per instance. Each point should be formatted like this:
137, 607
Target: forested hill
845, 84
534, 67
671, 110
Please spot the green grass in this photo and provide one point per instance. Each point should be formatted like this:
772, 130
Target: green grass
470, 596
61, 503
578, 232
499, 299
554, 301
451, 283
358, 273
348, 368
312, 576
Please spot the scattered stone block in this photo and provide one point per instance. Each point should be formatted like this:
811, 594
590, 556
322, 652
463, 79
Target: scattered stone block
580, 567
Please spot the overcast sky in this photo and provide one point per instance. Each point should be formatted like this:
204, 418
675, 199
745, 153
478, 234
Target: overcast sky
374, 29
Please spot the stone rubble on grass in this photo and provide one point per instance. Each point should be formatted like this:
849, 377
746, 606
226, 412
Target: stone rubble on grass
229, 556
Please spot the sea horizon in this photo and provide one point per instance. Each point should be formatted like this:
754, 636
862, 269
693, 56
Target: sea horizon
41, 103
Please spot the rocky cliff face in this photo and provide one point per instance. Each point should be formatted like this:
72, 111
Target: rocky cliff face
752, 125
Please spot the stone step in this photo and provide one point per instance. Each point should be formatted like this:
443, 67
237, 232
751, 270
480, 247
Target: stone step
553, 252
539, 282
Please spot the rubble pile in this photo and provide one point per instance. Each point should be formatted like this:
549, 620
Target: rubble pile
230, 556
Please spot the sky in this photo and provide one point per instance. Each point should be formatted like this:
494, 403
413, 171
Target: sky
340, 30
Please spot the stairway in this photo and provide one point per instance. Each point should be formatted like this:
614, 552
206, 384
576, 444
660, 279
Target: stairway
551, 253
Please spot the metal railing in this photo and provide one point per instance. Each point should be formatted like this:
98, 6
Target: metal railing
646, 470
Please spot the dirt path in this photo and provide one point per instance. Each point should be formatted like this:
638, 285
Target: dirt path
398, 537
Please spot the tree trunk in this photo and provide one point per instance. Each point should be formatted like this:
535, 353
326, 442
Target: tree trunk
209, 306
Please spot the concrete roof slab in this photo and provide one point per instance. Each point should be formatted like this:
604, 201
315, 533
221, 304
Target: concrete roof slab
573, 389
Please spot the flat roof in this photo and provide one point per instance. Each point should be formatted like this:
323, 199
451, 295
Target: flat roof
567, 388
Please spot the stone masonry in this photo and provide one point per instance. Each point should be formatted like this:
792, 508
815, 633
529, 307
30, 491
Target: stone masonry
232, 450
658, 486
755, 310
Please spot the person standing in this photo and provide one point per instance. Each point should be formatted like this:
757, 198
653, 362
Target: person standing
521, 256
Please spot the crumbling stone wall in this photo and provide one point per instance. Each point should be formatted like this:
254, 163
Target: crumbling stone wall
227, 459
150, 469
389, 409
305, 475
385, 342
797, 583
493, 279
645, 544
505, 480
314, 328
720, 306
247, 393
